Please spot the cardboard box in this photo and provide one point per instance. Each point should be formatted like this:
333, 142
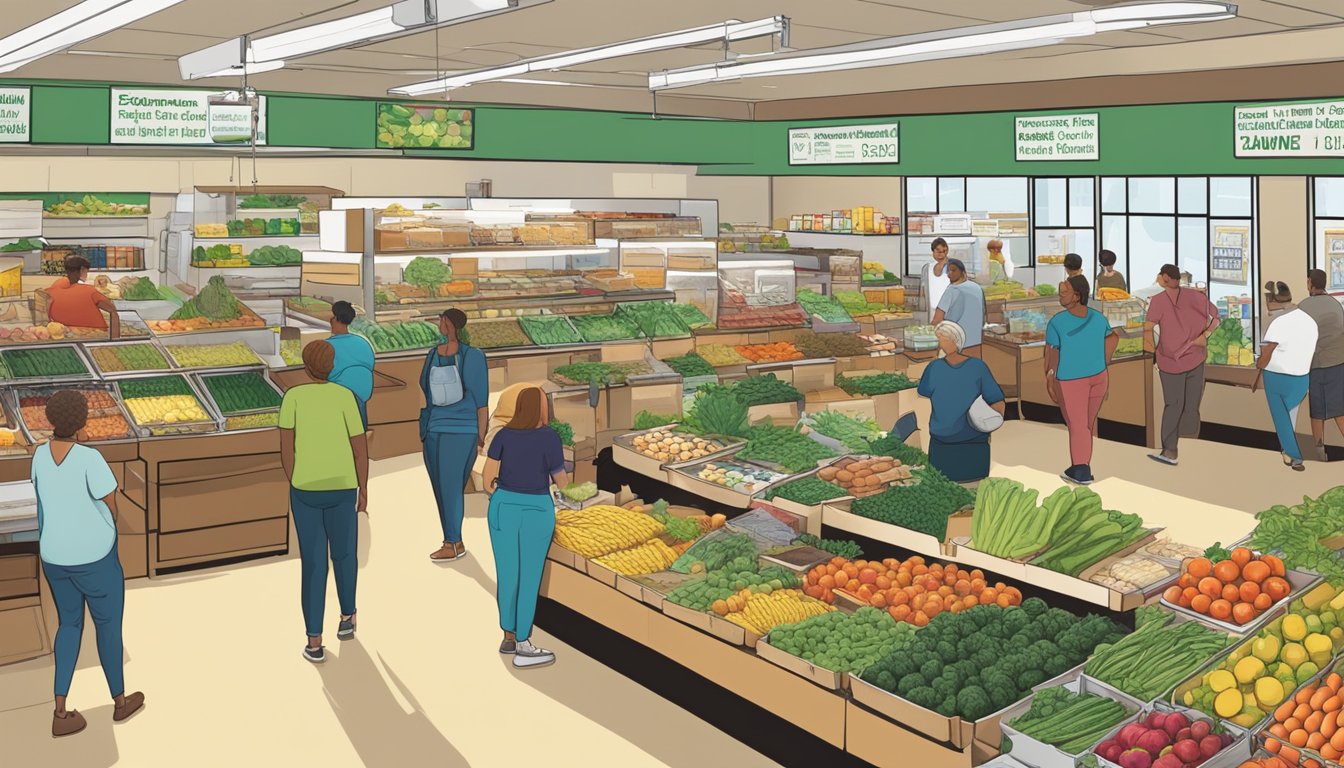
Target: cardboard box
601, 573
916, 718
562, 556
876, 740
779, 414
836, 514
812, 375
826, 678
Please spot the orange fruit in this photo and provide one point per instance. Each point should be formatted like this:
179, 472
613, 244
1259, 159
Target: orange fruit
1188, 594
1333, 681
1272, 745
1256, 571
1241, 556
878, 600
1276, 587
1005, 600
963, 587
1199, 567
1284, 712
898, 597
1313, 722
989, 596
1230, 593
969, 601
1262, 602
883, 583
1220, 609
1249, 591
1298, 738
1226, 571
1211, 587
899, 612
1188, 580
1330, 753
1316, 741
1200, 604
1172, 595
1276, 567
920, 620
1337, 741
1243, 613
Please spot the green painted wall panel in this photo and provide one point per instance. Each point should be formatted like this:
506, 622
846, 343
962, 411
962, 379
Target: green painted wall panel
71, 114
296, 121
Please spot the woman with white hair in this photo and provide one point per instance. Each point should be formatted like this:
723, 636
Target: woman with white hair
953, 383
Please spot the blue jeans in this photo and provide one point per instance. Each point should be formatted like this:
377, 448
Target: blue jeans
102, 585
1284, 394
326, 521
521, 525
448, 460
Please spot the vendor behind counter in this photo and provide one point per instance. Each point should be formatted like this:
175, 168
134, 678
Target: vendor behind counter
74, 303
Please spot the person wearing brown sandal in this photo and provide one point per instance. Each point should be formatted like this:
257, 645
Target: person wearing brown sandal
77, 540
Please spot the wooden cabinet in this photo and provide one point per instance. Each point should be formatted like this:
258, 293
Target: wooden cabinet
23, 631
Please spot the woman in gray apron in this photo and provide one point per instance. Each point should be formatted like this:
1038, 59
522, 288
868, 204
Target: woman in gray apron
452, 425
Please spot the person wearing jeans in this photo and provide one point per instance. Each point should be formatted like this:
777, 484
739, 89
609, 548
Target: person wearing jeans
1285, 362
325, 456
456, 386
1079, 343
524, 458
1183, 319
77, 542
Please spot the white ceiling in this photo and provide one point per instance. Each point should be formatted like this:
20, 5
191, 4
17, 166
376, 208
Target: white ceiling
1266, 33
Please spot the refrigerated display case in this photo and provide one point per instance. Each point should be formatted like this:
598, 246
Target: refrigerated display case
758, 294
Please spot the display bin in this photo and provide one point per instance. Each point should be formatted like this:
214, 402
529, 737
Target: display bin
8, 355
710, 623
1088, 591
1300, 582
202, 382
212, 422
96, 351
624, 453
565, 557
966, 554
779, 414
826, 678
33, 434
1038, 754
685, 476
810, 515
916, 718
837, 514
1128, 601
1231, 756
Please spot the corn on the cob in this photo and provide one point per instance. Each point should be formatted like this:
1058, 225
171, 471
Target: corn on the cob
649, 557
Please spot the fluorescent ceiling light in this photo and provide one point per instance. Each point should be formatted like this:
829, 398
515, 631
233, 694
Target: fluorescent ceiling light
968, 41
402, 18
251, 68
727, 31
74, 25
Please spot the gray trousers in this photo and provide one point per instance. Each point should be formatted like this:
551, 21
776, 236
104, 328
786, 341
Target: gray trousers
1181, 395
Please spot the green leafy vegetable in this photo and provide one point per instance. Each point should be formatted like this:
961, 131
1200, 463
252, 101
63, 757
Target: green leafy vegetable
786, 447
764, 389
718, 412
595, 328
645, 420
854, 432
808, 491
142, 289
564, 430
843, 642
825, 308
655, 319
878, 384
427, 272
689, 365
579, 492
846, 549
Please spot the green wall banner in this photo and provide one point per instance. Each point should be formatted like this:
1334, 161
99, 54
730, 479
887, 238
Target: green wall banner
178, 117
844, 144
1313, 129
424, 127
1058, 137
16, 110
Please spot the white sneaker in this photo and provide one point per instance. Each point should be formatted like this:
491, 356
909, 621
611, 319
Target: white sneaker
528, 655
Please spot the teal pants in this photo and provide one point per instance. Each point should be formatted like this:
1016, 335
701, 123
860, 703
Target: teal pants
1285, 394
448, 460
521, 525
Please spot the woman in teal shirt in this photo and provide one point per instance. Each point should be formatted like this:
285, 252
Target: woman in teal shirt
77, 540
456, 386
1079, 343
953, 383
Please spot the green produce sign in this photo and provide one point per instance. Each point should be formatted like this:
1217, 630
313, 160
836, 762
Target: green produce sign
181, 117
16, 109
424, 127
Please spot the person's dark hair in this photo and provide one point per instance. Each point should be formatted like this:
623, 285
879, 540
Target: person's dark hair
68, 412
319, 357
527, 410
1079, 285
75, 264
344, 312
958, 264
1106, 258
455, 316
1073, 261
1317, 278
1170, 271
937, 243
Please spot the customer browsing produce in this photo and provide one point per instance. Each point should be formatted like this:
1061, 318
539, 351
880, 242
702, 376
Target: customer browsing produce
1184, 318
1326, 382
1285, 363
1079, 343
935, 279
953, 383
964, 304
524, 458
353, 366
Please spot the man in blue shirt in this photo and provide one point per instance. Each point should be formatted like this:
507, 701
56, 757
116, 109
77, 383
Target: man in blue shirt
353, 367
963, 303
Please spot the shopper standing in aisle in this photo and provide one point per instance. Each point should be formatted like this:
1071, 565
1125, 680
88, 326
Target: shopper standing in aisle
456, 385
964, 304
524, 459
1183, 319
1079, 343
326, 458
1109, 277
77, 542
1285, 362
1073, 265
353, 366
77, 304
935, 278
1327, 365
953, 383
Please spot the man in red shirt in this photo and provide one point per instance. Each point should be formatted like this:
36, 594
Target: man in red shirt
77, 304
1184, 319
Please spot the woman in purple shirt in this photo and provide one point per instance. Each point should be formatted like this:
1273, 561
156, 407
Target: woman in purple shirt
524, 458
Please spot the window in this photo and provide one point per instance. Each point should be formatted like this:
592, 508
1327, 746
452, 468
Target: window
1007, 198
1203, 225
1327, 205
1065, 222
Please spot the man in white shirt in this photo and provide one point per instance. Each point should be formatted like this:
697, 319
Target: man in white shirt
1285, 363
964, 304
935, 274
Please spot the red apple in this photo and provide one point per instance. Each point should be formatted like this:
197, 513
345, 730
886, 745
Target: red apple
1168, 761
1111, 751
1210, 745
1153, 741
1174, 723
1200, 728
1156, 719
1129, 735
1187, 750
1136, 758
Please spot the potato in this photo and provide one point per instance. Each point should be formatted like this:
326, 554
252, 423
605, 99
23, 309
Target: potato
845, 476
862, 473
882, 466
828, 473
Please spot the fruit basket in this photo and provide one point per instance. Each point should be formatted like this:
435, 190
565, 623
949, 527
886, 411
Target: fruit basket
246, 400
1207, 582
115, 359
46, 363
107, 421
165, 406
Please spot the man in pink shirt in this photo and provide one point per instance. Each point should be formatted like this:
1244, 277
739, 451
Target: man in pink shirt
1184, 319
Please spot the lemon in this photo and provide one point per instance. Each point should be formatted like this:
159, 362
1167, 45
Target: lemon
1266, 649
1336, 604
1228, 703
1317, 644
1294, 628
1269, 692
1293, 654
1221, 680
1248, 669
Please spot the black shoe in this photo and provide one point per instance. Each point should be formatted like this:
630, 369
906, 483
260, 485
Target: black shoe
346, 629
1078, 474
316, 655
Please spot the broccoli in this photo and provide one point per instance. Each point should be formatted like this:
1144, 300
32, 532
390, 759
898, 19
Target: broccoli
923, 696
909, 684
1057, 665
946, 688
426, 272
1034, 606
973, 702
900, 666
1030, 678
885, 680
931, 669
949, 706
947, 651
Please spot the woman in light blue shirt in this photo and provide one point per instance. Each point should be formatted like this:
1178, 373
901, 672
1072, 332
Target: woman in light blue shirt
77, 538
953, 383
456, 385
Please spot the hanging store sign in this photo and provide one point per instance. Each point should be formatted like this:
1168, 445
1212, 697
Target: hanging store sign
181, 117
1231, 264
845, 144
1058, 137
1314, 129
16, 112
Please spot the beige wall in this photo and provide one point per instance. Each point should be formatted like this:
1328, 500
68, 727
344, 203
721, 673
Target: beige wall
744, 199
821, 194
1284, 234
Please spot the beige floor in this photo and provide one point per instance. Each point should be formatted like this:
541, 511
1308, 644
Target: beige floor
217, 654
